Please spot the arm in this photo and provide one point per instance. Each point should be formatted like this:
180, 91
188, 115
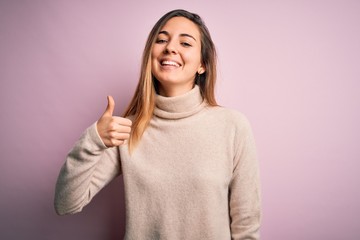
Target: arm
244, 198
92, 163
89, 166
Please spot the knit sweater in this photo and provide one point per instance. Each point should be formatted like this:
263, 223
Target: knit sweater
193, 175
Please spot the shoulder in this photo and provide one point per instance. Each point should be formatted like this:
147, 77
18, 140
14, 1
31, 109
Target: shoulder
234, 125
228, 116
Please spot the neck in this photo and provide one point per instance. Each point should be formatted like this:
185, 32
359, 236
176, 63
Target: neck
173, 90
178, 107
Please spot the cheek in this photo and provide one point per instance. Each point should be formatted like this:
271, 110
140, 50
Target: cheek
194, 59
155, 51
153, 54
153, 57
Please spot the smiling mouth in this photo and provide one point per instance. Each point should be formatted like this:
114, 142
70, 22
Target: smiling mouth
169, 63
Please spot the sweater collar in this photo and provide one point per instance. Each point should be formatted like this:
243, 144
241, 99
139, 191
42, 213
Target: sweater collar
180, 106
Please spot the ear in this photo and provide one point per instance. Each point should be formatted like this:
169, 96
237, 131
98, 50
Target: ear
201, 69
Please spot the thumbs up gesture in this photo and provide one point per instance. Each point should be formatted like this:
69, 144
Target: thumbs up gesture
113, 130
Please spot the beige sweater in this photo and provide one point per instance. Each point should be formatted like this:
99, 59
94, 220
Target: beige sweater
194, 174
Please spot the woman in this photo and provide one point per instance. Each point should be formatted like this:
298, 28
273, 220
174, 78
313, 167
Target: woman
189, 166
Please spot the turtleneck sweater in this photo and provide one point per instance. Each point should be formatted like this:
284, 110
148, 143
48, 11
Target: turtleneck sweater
193, 175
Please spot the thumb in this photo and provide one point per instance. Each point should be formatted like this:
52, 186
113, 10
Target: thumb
110, 107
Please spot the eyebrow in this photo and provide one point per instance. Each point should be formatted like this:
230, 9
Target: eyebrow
181, 35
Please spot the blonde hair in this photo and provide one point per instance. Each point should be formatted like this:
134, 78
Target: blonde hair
142, 104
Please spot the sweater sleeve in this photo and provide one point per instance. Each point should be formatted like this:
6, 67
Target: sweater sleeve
89, 166
244, 195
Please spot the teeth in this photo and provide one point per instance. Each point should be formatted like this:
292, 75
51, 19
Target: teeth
171, 63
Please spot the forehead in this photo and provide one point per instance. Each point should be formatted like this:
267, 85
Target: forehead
179, 25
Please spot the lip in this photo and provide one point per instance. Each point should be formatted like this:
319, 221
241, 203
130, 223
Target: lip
171, 63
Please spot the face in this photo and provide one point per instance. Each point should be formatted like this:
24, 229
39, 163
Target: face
176, 55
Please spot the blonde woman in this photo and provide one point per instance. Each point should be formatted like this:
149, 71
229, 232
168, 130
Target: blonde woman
189, 166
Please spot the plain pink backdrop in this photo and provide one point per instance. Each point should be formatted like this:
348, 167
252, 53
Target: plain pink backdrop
291, 66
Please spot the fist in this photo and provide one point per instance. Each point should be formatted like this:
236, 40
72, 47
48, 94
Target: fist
113, 130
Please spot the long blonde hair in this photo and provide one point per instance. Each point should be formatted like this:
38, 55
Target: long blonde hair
142, 104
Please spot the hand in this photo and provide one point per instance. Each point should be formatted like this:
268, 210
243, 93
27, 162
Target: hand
113, 130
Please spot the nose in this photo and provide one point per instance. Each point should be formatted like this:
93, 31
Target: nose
170, 48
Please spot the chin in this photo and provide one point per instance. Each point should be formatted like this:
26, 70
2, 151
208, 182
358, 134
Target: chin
168, 80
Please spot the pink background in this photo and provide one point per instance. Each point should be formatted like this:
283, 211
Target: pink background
291, 66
